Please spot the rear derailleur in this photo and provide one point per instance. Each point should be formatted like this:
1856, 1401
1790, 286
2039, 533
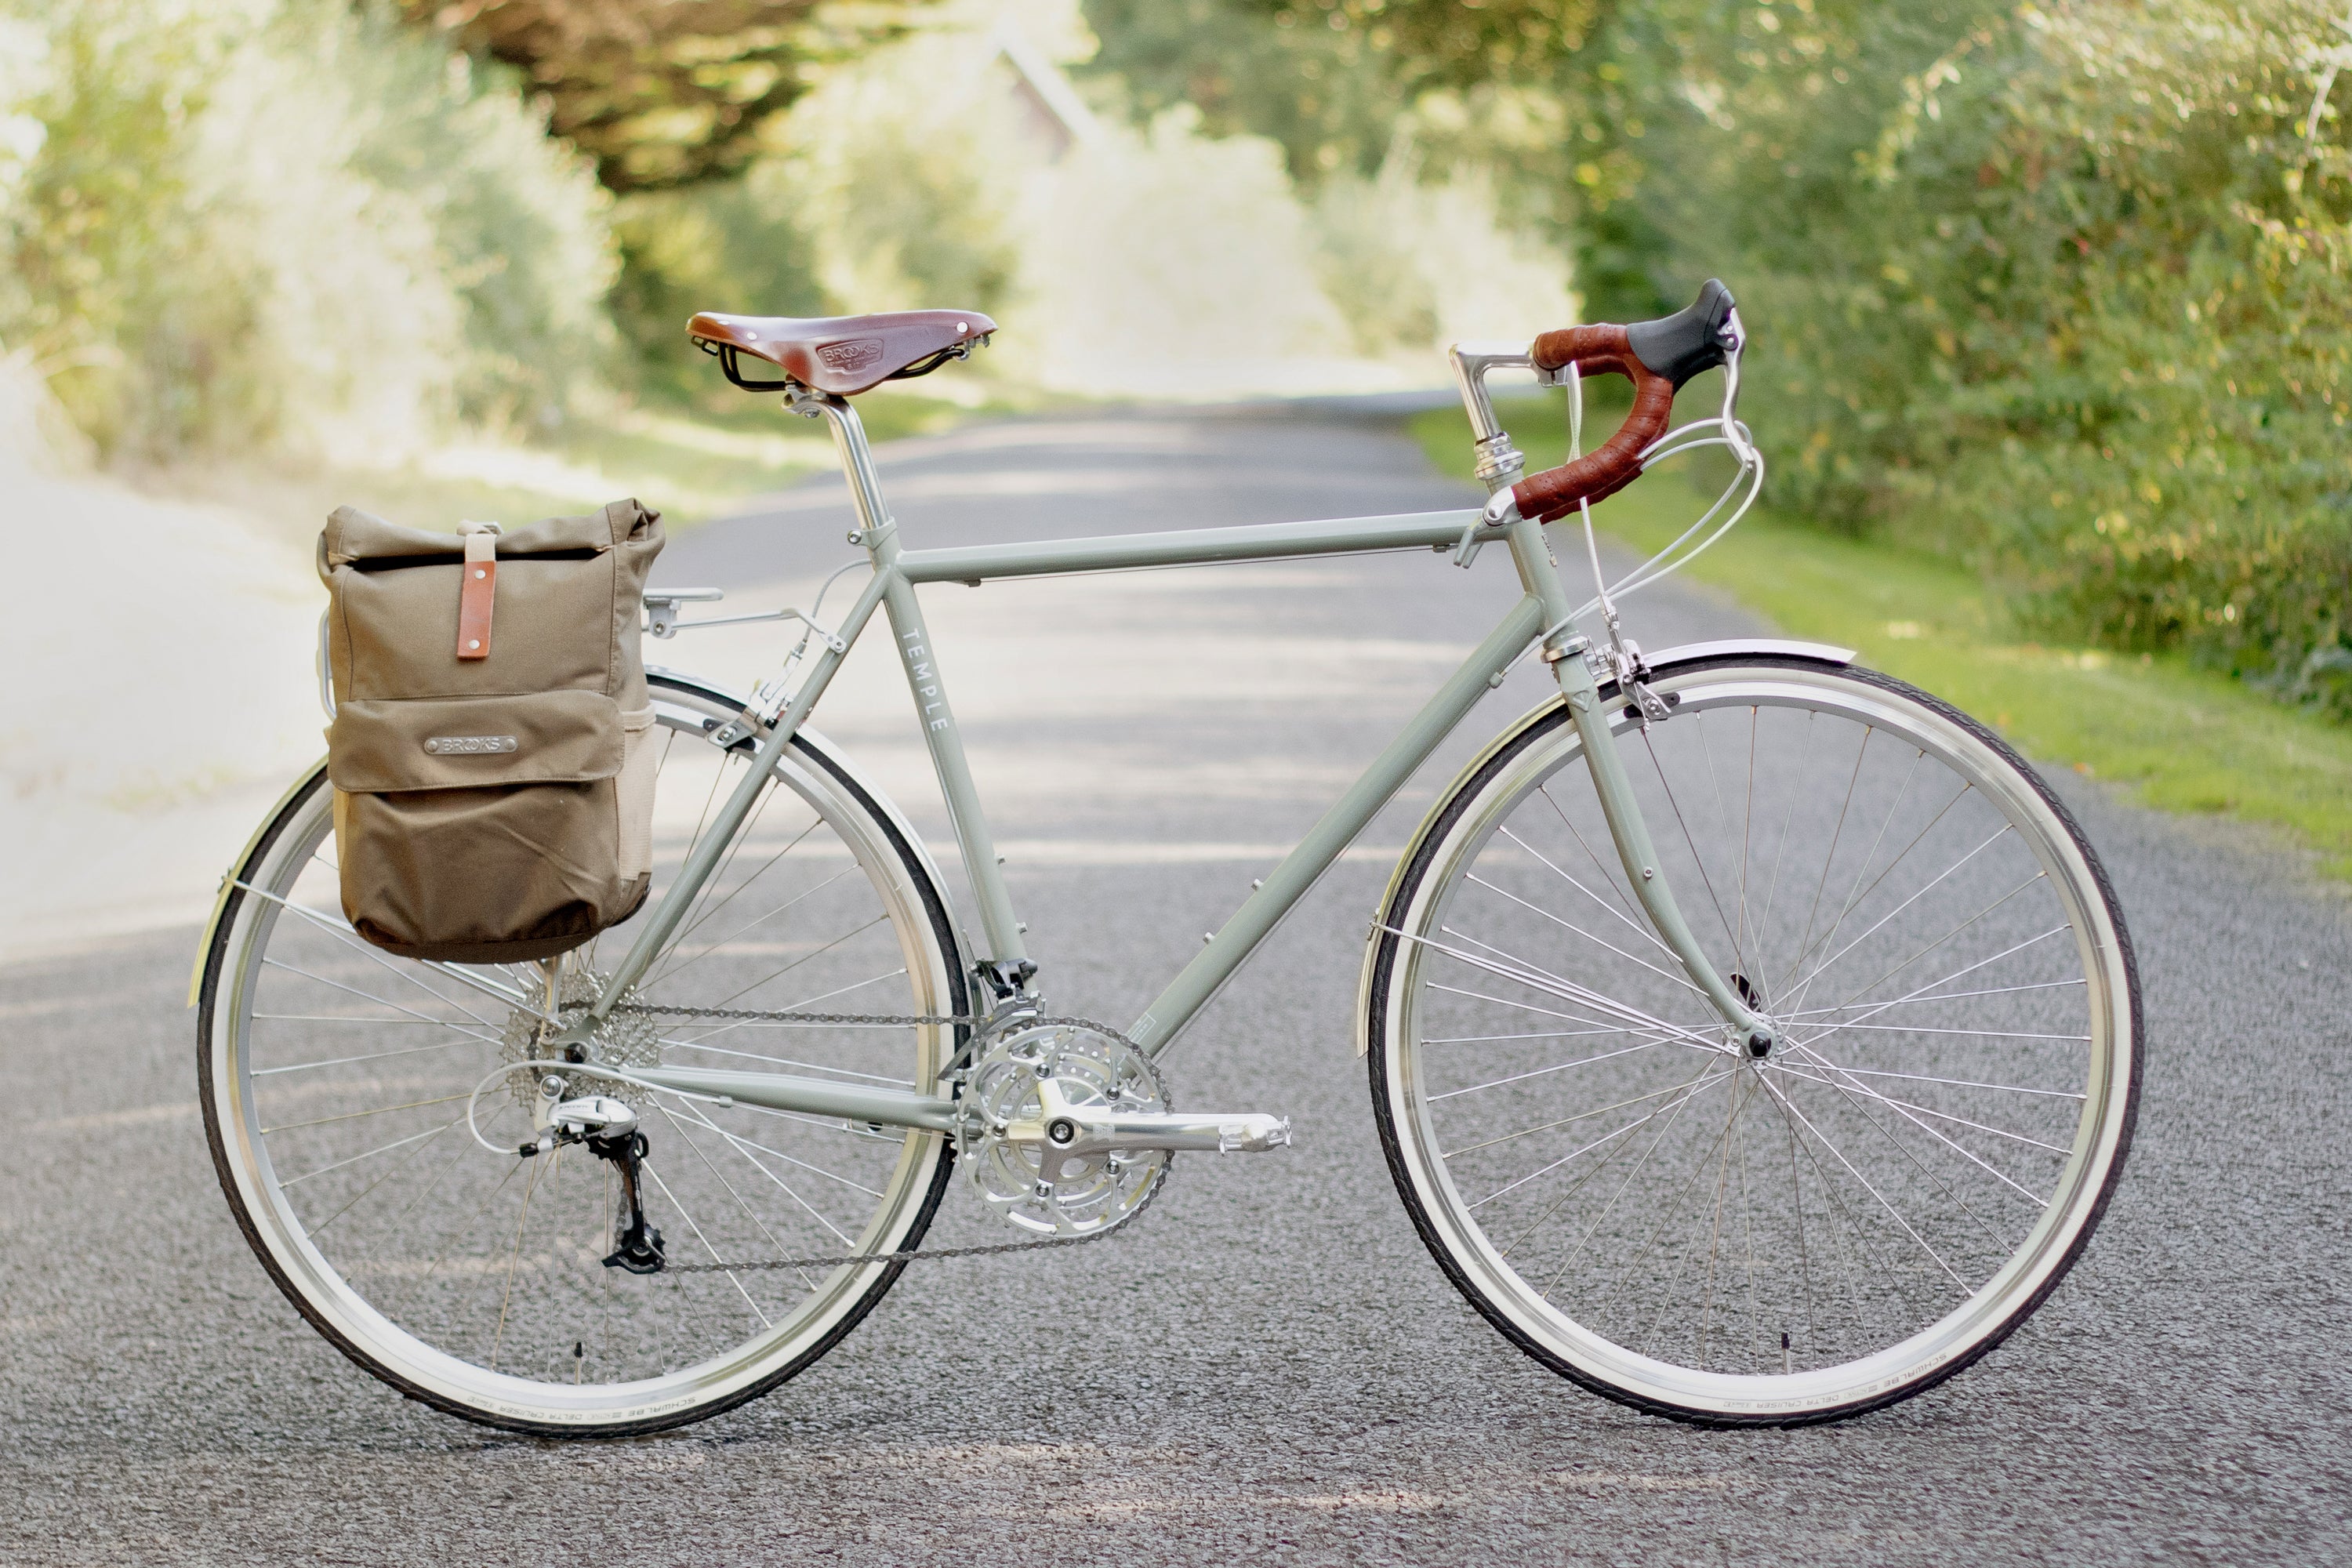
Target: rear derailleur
608, 1129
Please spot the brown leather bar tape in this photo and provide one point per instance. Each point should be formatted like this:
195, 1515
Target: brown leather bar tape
1596, 350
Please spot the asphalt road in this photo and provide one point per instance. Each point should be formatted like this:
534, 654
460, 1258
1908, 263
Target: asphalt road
1273, 1367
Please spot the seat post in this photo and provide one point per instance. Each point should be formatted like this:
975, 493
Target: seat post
874, 519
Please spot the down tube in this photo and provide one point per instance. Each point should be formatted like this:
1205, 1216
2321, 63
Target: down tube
1289, 882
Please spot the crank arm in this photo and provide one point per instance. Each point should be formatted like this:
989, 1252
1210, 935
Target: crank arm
1096, 1130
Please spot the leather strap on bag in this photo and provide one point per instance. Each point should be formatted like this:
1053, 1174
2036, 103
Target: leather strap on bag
477, 595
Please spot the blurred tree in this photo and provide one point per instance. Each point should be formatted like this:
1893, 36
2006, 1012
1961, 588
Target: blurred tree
664, 93
1251, 69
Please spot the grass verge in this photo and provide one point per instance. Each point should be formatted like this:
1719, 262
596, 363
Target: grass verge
2180, 739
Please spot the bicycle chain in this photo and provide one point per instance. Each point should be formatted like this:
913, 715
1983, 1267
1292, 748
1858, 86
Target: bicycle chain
750, 1015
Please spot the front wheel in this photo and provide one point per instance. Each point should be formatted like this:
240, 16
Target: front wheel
1634, 1198
336, 1081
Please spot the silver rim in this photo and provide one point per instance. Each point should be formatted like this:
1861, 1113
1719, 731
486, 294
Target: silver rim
339, 1079
1636, 1200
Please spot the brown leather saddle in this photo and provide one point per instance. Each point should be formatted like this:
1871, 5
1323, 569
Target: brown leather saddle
841, 354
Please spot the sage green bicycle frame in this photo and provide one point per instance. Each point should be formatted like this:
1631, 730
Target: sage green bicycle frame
1543, 613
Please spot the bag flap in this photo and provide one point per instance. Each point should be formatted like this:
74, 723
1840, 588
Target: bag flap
352, 535
386, 747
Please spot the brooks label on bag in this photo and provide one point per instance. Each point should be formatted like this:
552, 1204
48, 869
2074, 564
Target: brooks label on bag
469, 745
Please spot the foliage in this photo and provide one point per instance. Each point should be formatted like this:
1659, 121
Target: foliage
1318, 91
2177, 737
237, 223
663, 92
724, 245
2055, 288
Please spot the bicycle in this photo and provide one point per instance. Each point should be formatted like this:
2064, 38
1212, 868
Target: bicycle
1781, 1112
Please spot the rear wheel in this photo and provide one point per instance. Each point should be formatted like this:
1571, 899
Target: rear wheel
1640, 1202
336, 1079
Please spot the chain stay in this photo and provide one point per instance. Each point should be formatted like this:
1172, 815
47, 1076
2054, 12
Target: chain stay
973, 1020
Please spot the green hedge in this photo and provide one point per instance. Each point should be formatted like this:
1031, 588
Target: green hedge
2060, 290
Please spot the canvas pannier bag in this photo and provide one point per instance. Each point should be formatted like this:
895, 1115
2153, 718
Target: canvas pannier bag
492, 746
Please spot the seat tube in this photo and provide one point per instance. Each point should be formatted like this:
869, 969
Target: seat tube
1563, 649
879, 531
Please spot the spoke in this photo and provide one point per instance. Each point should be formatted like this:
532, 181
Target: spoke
1692, 1085
1562, 990
796, 962
1580, 931
1715, 1231
1905, 1149
1563, 1122
1854, 889
315, 1231
746, 1145
1722, 808
1746, 841
1837, 837
1748, 1235
356, 1115
1846, 1251
1923, 1029
1696, 1045
1791, 1107
370, 1154
1540, 1072
1804, 1258
458, 1230
1965, 1083
1689, 1088
1948, 995
1610, 1207
751, 924
813, 1213
514, 1254
380, 1001
342, 931
1692, 843
1966, 1154
1930, 1111
1698, 1170
1854, 998
1496, 1039
703, 909
762, 1225
1797, 991
1780, 853
646, 1166
347, 1061
742, 836
1640, 928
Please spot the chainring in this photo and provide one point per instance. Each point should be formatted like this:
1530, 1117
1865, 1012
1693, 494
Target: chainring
1044, 1190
